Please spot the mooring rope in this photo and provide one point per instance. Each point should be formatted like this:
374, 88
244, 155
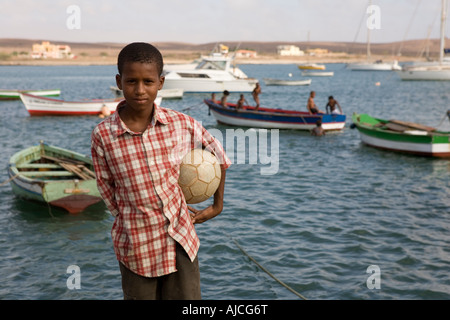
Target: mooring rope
193, 106
447, 114
268, 272
10, 179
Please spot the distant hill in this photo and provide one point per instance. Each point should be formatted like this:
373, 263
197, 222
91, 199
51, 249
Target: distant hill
410, 48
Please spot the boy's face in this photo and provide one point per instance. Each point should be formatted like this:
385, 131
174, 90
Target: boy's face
140, 83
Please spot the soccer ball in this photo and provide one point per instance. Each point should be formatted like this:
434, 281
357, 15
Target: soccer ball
199, 175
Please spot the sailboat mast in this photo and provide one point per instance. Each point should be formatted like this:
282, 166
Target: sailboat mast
443, 18
368, 36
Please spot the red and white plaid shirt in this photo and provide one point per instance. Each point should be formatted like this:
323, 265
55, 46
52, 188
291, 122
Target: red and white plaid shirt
137, 176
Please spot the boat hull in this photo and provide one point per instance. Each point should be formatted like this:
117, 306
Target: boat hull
63, 190
279, 82
42, 106
163, 93
273, 118
15, 94
372, 67
312, 67
424, 75
317, 74
418, 142
210, 85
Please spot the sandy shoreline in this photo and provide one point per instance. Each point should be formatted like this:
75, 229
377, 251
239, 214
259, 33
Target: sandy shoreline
262, 59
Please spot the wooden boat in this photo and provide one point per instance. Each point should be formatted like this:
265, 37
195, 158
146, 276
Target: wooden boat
311, 66
402, 136
163, 93
42, 106
272, 118
280, 82
53, 175
15, 94
317, 74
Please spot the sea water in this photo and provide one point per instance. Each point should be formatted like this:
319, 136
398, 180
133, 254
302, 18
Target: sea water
335, 220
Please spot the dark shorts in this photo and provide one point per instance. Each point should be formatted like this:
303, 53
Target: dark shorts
181, 285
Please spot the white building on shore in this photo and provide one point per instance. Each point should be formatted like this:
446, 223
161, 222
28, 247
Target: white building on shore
47, 50
289, 50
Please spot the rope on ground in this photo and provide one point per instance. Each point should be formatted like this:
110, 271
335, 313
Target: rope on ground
10, 179
268, 272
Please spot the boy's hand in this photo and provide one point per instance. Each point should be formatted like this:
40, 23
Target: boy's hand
200, 216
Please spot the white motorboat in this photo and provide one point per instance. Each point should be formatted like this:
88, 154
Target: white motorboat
439, 71
214, 73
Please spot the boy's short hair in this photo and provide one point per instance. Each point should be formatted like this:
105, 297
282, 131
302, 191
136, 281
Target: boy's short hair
140, 52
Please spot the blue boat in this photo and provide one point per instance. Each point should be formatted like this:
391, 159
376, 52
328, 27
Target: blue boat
249, 116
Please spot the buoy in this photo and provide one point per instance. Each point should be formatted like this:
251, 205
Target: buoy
290, 75
377, 84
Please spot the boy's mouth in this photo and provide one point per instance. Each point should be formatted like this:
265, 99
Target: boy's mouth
140, 100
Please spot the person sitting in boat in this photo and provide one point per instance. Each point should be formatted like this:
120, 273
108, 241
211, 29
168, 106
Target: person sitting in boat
332, 103
105, 112
311, 105
241, 102
318, 130
255, 93
223, 101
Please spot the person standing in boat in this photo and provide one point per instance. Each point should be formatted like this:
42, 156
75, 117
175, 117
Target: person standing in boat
256, 92
332, 103
311, 105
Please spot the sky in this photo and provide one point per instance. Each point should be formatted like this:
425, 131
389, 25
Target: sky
205, 21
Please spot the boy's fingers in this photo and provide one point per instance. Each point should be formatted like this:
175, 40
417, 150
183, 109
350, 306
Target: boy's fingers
192, 209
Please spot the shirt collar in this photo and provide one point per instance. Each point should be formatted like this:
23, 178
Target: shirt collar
119, 127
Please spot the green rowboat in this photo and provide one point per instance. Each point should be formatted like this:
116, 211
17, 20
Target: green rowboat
15, 94
402, 136
53, 175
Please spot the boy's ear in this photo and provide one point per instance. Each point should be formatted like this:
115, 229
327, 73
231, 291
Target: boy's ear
119, 81
161, 82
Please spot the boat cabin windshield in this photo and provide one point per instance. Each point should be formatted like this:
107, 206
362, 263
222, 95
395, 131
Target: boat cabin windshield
213, 65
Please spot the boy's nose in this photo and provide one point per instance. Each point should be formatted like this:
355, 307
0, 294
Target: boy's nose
139, 89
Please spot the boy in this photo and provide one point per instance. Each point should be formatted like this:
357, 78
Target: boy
241, 102
311, 105
223, 101
332, 102
318, 130
137, 168
255, 93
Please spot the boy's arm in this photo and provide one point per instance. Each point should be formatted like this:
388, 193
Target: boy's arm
211, 144
200, 216
104, 177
